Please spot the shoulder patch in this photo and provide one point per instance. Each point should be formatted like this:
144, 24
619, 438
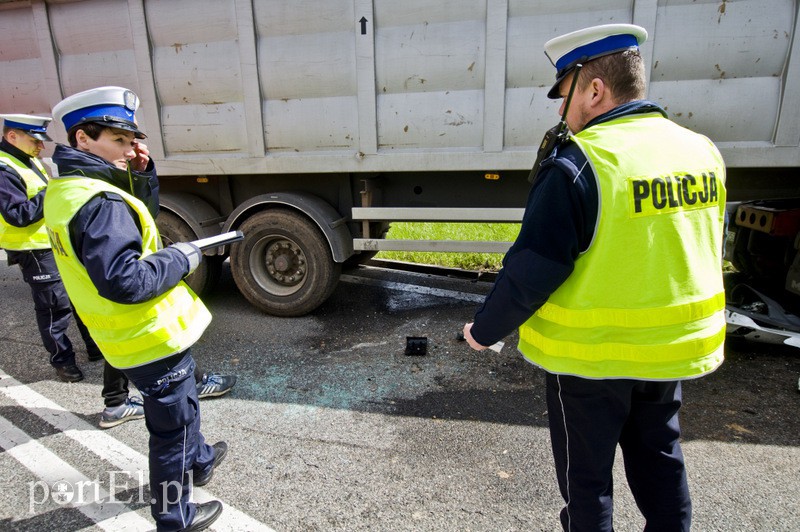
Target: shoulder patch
571, 160
111, 196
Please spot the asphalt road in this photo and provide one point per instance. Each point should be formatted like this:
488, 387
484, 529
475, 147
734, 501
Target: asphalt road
333, 427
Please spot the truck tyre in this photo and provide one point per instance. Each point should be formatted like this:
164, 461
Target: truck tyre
172, 229
284, 265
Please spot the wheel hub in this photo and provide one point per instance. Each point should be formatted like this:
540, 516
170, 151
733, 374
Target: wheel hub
285, 262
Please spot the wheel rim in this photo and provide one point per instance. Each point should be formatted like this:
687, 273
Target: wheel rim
278, 265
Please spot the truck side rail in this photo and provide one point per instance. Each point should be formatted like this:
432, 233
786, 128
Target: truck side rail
433, 214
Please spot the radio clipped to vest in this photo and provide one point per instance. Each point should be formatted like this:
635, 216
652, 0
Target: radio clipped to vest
556, 135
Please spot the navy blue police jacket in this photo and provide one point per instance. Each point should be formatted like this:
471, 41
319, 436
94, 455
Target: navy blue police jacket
15, 207
558, 225
106, 235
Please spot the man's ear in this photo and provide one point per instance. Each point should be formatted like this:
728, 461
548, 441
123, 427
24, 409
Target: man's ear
599, 91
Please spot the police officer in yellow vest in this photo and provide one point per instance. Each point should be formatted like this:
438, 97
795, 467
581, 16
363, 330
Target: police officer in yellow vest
130, 292
615, 282
23, 180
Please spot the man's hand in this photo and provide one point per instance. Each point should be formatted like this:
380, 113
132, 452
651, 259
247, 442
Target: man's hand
139, 162
470, 340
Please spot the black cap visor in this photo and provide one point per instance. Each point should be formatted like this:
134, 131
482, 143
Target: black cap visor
553, 93
114, 122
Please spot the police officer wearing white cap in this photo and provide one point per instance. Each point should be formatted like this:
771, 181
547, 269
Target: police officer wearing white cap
129, 291
23, 180
615, 281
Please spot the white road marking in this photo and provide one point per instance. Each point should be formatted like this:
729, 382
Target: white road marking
51, 469
112, 450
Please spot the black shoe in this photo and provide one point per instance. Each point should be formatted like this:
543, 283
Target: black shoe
220, 450
94, 356
206, 514
70, 373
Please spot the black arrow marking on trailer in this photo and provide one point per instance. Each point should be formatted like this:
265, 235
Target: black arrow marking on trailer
363, 22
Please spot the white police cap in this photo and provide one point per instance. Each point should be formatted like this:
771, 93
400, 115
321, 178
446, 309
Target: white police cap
108, 106
566, 51
35, 126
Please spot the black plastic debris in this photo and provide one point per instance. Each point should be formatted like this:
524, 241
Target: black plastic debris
416, 346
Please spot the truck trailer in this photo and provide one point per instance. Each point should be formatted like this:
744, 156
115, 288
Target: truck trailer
311, 125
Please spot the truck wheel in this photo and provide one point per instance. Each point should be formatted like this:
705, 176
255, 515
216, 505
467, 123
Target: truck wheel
205, 277
284, 265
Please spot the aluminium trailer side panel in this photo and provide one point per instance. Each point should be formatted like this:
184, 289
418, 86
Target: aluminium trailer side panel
322, 86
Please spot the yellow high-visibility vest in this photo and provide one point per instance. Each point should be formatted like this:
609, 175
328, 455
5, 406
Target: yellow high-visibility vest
32, 236
128, 335
646, 299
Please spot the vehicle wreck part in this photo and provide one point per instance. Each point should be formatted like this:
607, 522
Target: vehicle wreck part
743, 326
752, 315
416, 345
746, 300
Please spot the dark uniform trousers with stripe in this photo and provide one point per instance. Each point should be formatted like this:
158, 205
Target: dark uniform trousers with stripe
588, 418
178, 450
53, 308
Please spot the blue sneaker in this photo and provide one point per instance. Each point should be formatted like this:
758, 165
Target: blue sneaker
214, 385
132, 408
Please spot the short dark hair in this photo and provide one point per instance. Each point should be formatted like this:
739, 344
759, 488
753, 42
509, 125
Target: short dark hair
92, 129
8, 129
623, 73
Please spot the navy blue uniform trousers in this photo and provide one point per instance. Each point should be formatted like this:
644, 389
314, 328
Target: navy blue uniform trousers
53, 308
178, 450
588, 418
115, 385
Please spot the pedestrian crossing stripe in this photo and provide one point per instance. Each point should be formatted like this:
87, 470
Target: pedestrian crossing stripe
109, 449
